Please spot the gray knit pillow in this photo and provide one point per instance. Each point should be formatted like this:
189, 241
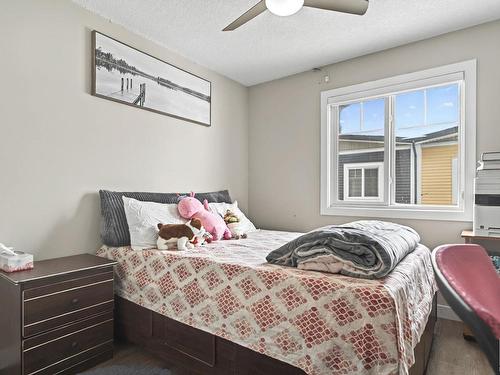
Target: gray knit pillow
114, 228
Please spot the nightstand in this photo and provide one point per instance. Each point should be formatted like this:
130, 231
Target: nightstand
57, 317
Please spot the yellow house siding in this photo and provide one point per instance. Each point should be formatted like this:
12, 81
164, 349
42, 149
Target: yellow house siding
436, 174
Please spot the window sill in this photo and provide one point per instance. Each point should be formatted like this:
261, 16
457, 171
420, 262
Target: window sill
444, 214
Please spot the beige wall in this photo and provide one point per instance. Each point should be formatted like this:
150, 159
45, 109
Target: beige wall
284, 127
59, 144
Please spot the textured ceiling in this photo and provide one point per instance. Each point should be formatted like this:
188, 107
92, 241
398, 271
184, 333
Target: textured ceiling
271, 47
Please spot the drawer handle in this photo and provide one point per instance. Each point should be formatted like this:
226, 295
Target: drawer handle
74, 344
74, 301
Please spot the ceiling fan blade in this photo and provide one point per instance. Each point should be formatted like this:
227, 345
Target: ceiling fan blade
346, 6
247, 16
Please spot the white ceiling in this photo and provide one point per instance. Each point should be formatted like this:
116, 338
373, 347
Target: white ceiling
271, 47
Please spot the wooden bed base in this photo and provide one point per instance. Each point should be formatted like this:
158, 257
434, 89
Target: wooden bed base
198, 352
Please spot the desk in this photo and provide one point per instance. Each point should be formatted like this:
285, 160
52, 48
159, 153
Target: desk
491, 244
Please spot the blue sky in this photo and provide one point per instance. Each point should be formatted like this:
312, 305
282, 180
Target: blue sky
410, 117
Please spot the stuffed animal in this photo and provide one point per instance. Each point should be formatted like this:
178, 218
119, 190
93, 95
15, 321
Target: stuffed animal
207, 238
230, 217
185, 235
232, 221
202, 239
190, 207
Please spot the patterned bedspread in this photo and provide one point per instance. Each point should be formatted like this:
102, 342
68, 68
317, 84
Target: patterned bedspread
321, 323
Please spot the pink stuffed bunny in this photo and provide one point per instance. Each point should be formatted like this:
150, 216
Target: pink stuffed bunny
190, 207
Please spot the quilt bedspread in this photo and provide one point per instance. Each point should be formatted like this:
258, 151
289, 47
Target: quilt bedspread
321, 323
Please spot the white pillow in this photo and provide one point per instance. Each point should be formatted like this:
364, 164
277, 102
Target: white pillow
143, 219
244, 226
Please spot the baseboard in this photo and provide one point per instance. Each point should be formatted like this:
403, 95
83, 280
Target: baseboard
445, 312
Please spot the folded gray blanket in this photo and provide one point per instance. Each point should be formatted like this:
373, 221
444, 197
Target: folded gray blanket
367, 249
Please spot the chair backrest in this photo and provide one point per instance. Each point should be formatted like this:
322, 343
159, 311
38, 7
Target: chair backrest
469, 283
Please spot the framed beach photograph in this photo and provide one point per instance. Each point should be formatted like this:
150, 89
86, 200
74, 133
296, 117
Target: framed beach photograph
126, 75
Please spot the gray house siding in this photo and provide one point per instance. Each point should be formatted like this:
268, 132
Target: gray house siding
403, 170
403, 176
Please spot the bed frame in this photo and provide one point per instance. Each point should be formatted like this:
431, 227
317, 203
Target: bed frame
193, 351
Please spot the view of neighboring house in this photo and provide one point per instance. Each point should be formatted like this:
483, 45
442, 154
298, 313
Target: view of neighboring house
426, 167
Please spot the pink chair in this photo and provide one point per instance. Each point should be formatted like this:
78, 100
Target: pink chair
469, 283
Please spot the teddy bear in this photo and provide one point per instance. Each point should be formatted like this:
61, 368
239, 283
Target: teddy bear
186, 236
232, 221
189, 207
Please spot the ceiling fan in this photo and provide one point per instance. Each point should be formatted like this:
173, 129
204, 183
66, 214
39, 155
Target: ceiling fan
288, 7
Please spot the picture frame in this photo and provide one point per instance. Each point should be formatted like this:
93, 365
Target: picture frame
126, 75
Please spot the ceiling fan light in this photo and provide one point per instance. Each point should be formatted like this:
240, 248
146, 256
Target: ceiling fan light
284, 7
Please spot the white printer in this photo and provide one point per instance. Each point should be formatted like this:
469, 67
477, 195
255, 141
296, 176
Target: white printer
487, 196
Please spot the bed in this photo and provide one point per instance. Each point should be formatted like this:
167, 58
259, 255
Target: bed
221, 309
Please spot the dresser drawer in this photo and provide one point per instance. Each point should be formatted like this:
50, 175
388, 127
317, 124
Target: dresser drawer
54, 305
61, 348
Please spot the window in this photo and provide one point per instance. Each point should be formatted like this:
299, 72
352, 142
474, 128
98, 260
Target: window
402, 146
363, 182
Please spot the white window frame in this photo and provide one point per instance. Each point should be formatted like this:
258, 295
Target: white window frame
463, 72
363, 166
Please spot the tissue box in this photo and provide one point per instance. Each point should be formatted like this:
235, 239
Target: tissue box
19, 262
